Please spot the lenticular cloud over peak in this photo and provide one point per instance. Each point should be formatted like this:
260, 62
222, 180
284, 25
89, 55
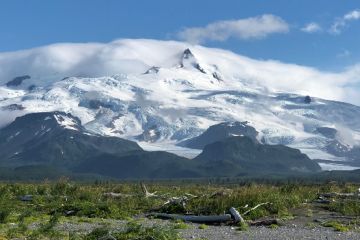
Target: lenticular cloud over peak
135, 57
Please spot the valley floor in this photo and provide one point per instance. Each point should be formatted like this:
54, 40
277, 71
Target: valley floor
300, 227
76, 211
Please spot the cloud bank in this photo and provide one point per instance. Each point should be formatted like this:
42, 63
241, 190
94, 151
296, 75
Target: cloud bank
51, 63
248, 28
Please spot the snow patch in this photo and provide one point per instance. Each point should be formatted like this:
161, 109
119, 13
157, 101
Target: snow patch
66, 122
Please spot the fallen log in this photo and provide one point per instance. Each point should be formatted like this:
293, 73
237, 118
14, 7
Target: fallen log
322, 201
146, 193
26, 198
118, 195
341, 195
195, 219
236, 215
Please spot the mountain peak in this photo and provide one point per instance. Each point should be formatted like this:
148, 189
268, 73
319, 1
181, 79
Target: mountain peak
187, 54
189, 61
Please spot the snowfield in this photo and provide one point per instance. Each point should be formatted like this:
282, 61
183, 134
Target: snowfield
161, 93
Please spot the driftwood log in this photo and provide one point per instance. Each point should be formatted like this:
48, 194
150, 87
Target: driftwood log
195, 219
326, 198
26, 198
236, 215
145, 192
339, 195
118, 195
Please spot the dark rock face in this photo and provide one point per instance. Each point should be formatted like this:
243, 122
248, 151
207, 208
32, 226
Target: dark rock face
327, 132
188, 57
219, 132
32, 88
152, 70
109, 103
243, 154
307, 100
354, 154
198, 67
13, 107
295, 99
187, 54
217, 76
338, 149
17, 81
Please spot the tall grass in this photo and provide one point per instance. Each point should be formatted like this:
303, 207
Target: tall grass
53, 201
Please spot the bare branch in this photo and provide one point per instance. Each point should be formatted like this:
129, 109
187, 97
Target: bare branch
252, 209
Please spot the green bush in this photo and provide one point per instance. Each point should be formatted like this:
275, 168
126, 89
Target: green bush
346, 207
4, 214
97, 234
337, 226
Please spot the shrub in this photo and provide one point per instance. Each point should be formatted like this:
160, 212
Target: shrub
97, 234
4, 214
337, 226
179, 224
346, 207
203, 226
243, 226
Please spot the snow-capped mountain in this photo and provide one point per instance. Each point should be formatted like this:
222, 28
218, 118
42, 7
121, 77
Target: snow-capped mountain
164, 93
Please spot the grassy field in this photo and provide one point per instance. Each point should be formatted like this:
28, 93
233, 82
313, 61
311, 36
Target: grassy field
53, 203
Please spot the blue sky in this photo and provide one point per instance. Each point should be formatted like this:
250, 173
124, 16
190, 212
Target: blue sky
331, 42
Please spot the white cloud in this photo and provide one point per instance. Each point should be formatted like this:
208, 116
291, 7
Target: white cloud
353, 15
248, 28
343, 21
345, 53
129, 56
311, 28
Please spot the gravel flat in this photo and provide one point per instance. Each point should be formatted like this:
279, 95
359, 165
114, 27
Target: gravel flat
258, 233
227, 232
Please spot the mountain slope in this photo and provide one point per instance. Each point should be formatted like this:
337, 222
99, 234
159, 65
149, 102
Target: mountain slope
58, 142
219, 132
141, 164
241, 154
54, 138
